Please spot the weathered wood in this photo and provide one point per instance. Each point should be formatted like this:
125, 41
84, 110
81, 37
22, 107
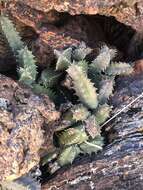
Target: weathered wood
120, 164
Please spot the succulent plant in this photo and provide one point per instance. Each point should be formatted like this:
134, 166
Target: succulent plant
27, 67
119, 69
79, 130
102, 113
64, 59
68, 155
27, 70
11, 34
70, 136
81, 52
84, 88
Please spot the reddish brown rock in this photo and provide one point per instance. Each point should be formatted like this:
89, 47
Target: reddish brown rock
129, 12
46, 25
138, 66
22, 119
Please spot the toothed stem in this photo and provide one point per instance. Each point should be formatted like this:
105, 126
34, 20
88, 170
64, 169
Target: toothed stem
119, 69
28, 67
76, 113
81, 52
102, 61
11, 34
84, 88
64, 59
49, 78
102, 113
68, 155
92, 146
72, 136
106, 90
39, 89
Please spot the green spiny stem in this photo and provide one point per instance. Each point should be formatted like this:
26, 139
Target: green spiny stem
27, 71
68, 155
76, 113
49, 78
39, 89
102, 113
70, 136
95, 76
11, 34
102, 61
83, 64
92, 146
64, 59
119, 69
113, 53
81, 52
84, 88
106, 90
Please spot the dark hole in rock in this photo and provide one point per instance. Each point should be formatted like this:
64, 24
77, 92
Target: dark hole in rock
95, 30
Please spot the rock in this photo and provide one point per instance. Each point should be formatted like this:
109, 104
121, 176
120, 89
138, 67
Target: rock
22, 119
129, 12
59, 24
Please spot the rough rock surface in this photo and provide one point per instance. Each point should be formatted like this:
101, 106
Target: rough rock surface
129, 12
47, 25
22, 117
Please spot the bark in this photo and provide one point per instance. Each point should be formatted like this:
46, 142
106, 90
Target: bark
120, 164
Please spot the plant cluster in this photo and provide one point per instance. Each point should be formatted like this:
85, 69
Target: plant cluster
92, 83
86, 85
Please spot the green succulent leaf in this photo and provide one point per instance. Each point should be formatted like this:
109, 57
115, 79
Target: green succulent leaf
84, 65
102, 113
80, 112
113, 53
119, 69
64, 59
49, 77
77, 113
68, 155
102, 61
92, 146
106, 90
81, 52
84, 88
72, 136
39, 89
95, 76
28, 69
11, 34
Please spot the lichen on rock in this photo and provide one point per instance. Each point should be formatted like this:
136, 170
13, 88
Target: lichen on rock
21, 128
